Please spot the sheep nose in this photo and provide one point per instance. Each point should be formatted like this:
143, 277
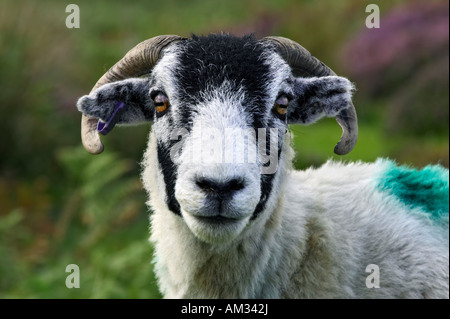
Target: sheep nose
220, 189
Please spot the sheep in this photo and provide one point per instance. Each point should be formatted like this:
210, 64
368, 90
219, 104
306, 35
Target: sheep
230, 226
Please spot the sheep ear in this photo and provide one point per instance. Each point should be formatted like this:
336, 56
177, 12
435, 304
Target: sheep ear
317, 97
122, 102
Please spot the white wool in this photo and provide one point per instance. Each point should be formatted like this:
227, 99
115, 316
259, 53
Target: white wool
321, 230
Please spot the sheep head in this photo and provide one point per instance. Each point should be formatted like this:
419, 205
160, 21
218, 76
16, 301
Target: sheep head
220, 107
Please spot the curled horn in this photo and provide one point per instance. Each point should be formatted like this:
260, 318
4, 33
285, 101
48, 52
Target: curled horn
138, 61
304, 64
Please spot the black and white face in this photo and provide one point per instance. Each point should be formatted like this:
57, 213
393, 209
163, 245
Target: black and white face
221, 93
220, 107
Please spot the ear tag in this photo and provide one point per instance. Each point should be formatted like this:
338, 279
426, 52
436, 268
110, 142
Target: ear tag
105, 128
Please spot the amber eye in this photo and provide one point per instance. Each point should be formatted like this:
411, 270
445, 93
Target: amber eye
281, 104
161, 102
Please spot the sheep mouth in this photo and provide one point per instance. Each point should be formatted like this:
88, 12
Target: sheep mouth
217, 219
215, 228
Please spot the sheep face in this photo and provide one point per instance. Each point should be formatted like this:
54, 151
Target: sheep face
221, 97
220, 107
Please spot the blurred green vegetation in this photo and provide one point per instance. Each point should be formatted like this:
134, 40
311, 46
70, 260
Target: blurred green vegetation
60, 205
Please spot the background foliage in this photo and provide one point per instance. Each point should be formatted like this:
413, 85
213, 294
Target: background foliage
60, 205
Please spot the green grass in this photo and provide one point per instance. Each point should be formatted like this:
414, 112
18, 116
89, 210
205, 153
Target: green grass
102, 227
314, 145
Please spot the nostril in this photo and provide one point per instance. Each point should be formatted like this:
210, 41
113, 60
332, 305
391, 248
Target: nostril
230, 186
235, 185
206, 185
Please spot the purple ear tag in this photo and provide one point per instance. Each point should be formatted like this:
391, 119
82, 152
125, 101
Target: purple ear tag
105, 128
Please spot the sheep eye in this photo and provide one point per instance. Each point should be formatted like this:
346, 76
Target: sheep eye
281, 104
161, 102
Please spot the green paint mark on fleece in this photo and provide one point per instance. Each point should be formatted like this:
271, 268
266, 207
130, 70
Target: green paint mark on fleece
427, 188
